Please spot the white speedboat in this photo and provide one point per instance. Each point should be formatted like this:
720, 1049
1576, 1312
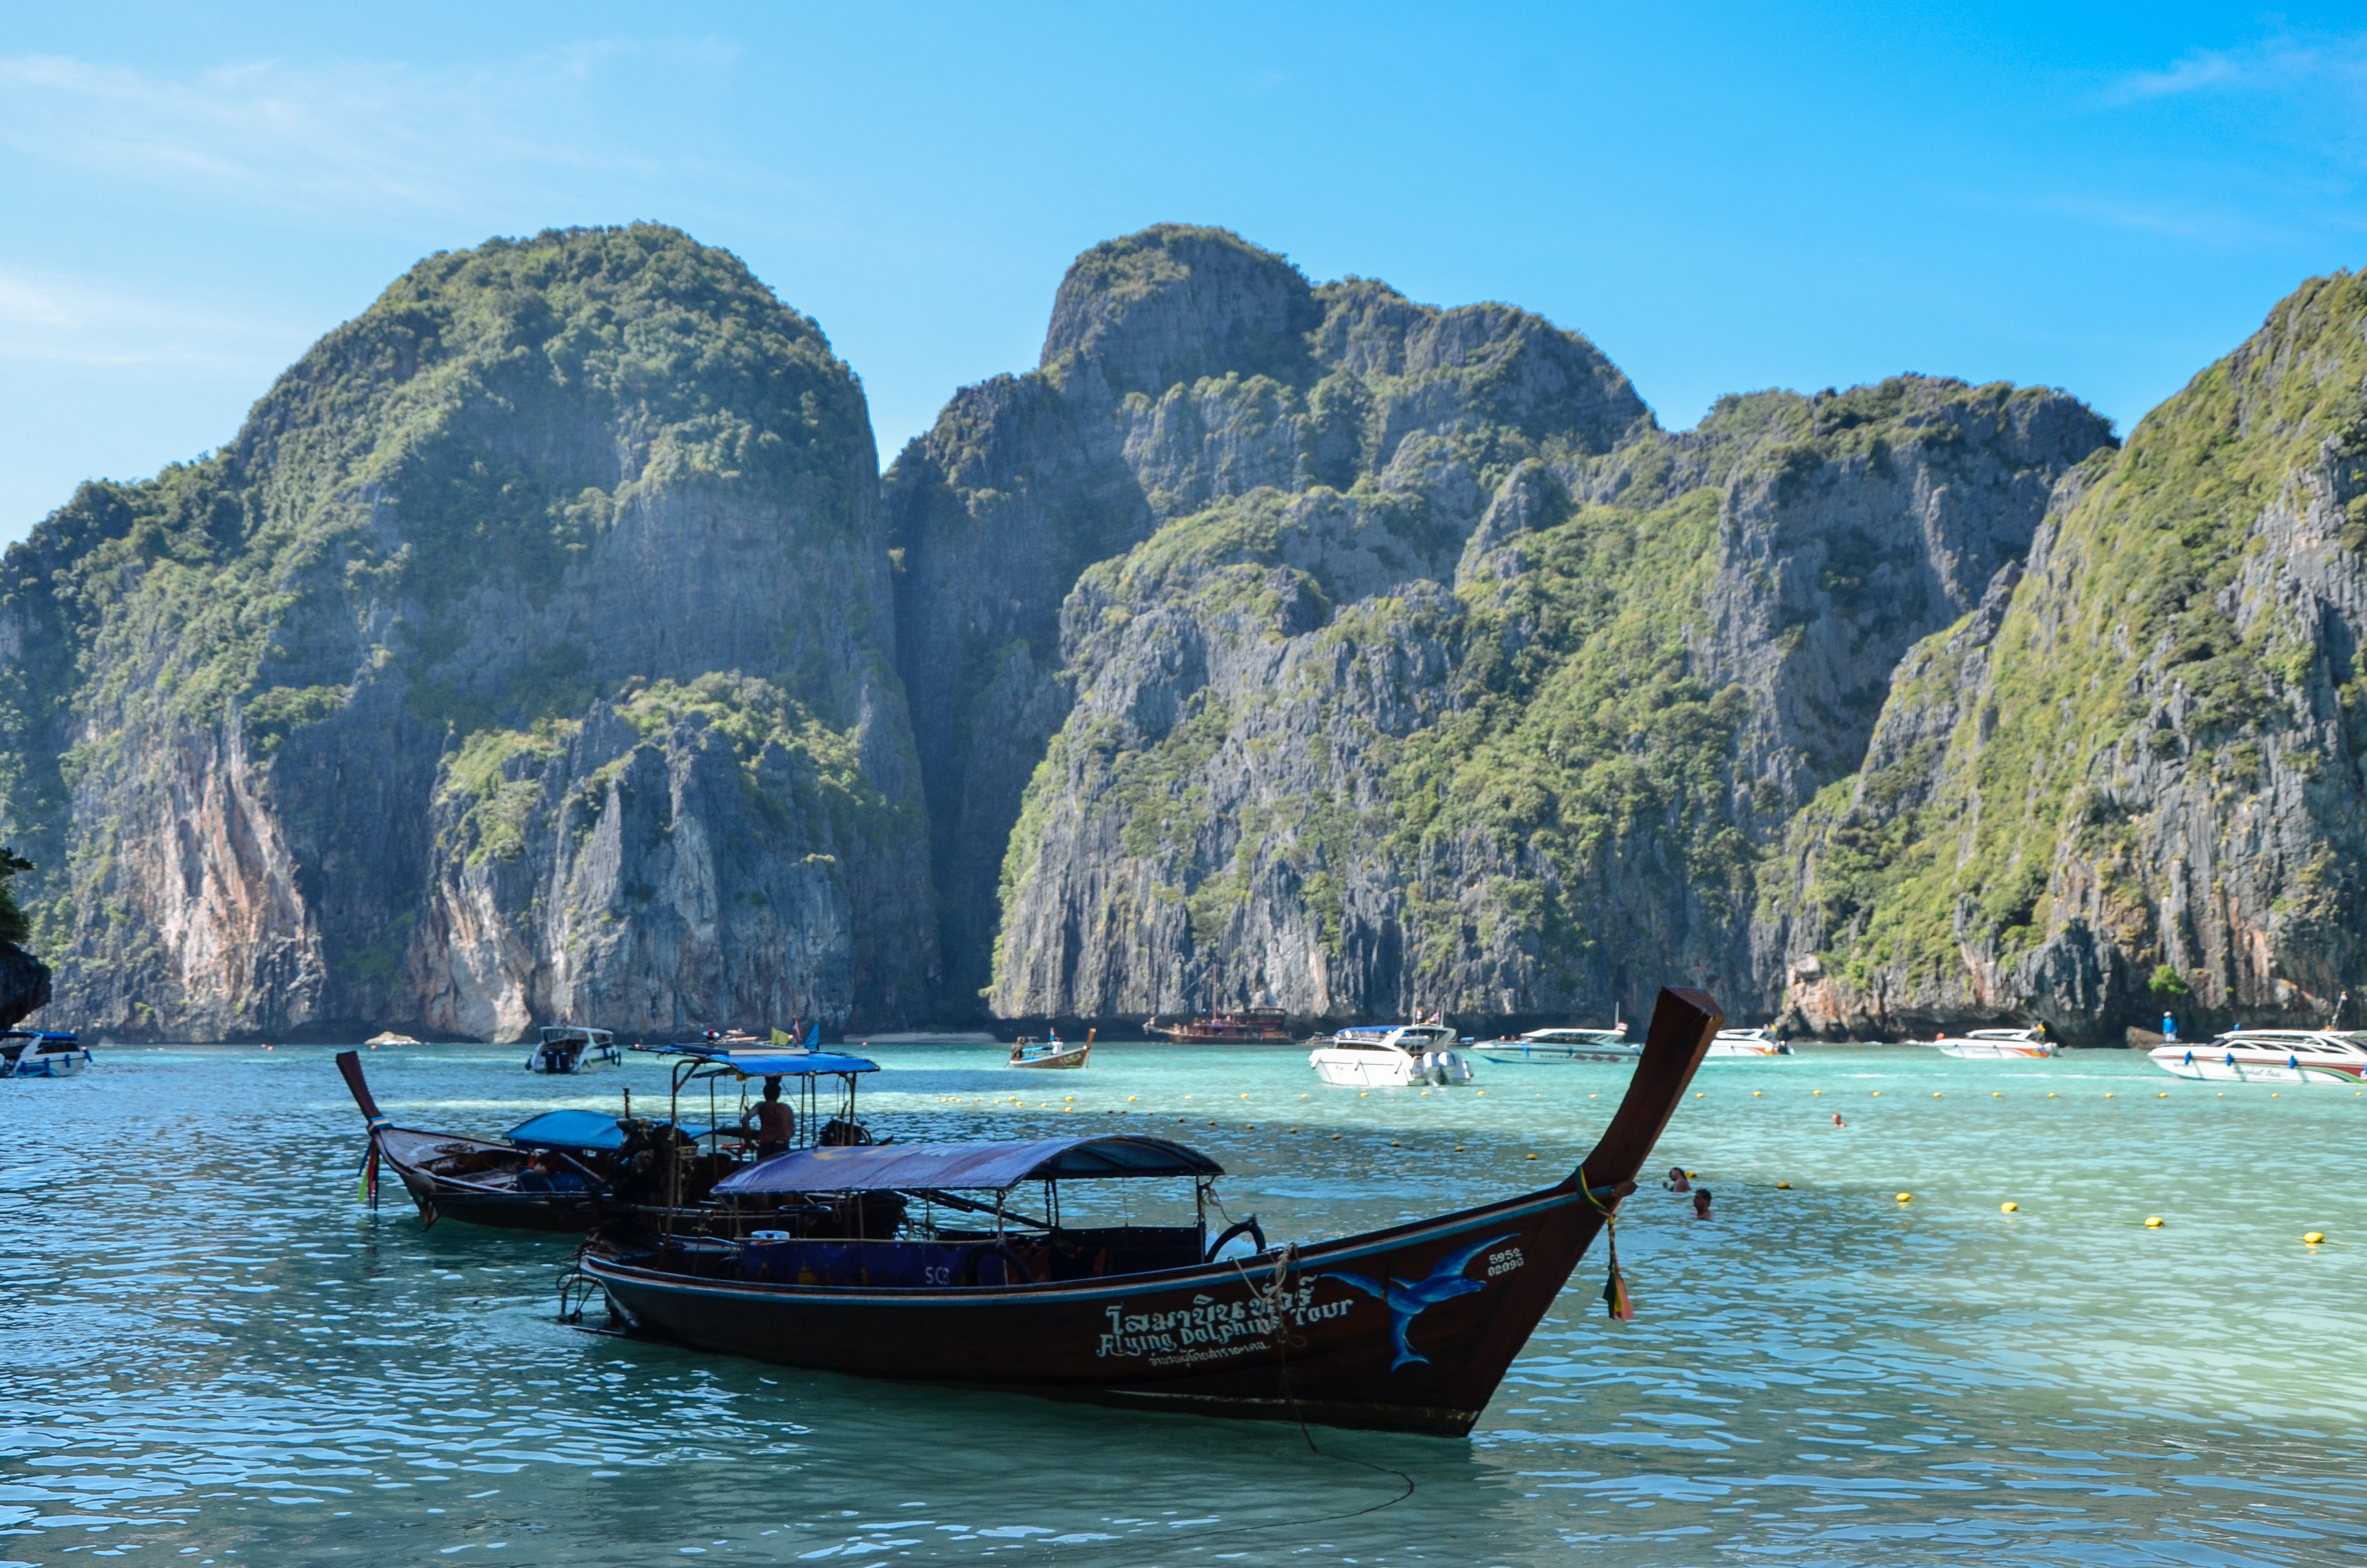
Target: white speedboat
1563, 1045
571, 1047
2270, 1056
1748, 1042
1989, 1045
1389, 1056
40, 1053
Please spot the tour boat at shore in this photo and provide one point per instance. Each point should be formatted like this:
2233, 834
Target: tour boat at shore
41, 1053
570, 1047
1989, 1045
1410, 1328
1748, 1042
1390, 1056
1249, 1025
1572, 1044
2270, 1056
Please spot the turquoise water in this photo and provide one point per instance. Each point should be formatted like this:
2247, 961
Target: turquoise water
210, 1354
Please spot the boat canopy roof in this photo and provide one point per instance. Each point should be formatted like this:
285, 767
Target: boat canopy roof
584, 1129
783, 1063
882, 1168
45, 1036
569, 1129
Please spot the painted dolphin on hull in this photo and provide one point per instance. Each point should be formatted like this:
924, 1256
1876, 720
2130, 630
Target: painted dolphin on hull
1407, 1299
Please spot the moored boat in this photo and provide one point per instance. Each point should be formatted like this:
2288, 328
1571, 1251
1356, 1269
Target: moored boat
1410, 1328
41, 1053
1246, 1025
1989, 1045
1390, 1056
1748, 1042
571, 1047
2270, 1056
567, 1170
1054, 1052
1564, 1044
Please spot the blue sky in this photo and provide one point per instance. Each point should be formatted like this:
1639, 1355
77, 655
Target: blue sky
1723, 197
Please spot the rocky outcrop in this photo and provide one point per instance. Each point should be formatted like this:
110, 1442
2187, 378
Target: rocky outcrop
529, 654
1446, 679
1185, 369
2136, 783
24, 984
547, 645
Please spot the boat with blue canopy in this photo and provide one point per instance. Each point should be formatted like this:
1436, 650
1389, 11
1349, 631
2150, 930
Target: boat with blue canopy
41, 1053
569, 1170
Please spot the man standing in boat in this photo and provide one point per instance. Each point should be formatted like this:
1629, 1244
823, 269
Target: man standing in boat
777, 1124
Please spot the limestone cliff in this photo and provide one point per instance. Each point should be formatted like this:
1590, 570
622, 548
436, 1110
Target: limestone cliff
1421, 669
529, 654
2134, 781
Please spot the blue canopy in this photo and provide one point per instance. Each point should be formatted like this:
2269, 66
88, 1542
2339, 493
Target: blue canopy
584, 1129
775, 1063
886, 1168
569, 1129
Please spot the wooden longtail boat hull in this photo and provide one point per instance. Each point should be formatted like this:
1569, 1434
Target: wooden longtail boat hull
1407, 1329
491, 1199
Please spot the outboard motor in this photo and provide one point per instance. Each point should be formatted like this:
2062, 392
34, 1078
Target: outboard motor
1436, 1066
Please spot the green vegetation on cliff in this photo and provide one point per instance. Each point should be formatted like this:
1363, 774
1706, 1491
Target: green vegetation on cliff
2158, 660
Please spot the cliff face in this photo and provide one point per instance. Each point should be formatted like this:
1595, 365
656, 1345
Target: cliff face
1439, 675
2135, 783
529, 654
545, 645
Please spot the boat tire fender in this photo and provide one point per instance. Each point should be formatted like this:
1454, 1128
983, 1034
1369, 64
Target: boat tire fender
1256, 1234
966, 1271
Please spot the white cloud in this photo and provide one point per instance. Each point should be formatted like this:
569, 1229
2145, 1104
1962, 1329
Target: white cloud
2279, 64
369, 134
49, 319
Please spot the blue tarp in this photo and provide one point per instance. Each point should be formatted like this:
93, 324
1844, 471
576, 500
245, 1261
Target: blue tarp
569, 1129
581, 1130
888, 1167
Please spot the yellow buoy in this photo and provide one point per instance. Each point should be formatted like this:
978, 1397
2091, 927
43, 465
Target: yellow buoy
2314, 1237
1245, 1097
1129, 1099
2152, 1222
2108, 1094
1697, 1094
1393, 1142
1755, 1094
1335, 1138
1935, 1093
1783, 1185
1483, 1092
2008, 1207
1906, 1198
1997, 1094
1692, 1174
2163, 1096
2050, 1094
1458, 1148
1877, 1093
1817, 1091
1532, 1156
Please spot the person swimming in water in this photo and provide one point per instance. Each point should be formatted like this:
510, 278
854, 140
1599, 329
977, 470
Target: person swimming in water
1701, 1204
1677, 1182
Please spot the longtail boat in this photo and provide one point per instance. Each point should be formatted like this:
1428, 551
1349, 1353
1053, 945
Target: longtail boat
1405, 1329
571, 1170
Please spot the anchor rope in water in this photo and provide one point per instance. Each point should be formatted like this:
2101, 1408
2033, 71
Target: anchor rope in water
1275, 1296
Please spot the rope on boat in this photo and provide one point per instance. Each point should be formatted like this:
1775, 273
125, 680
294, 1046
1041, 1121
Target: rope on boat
1615, 1299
